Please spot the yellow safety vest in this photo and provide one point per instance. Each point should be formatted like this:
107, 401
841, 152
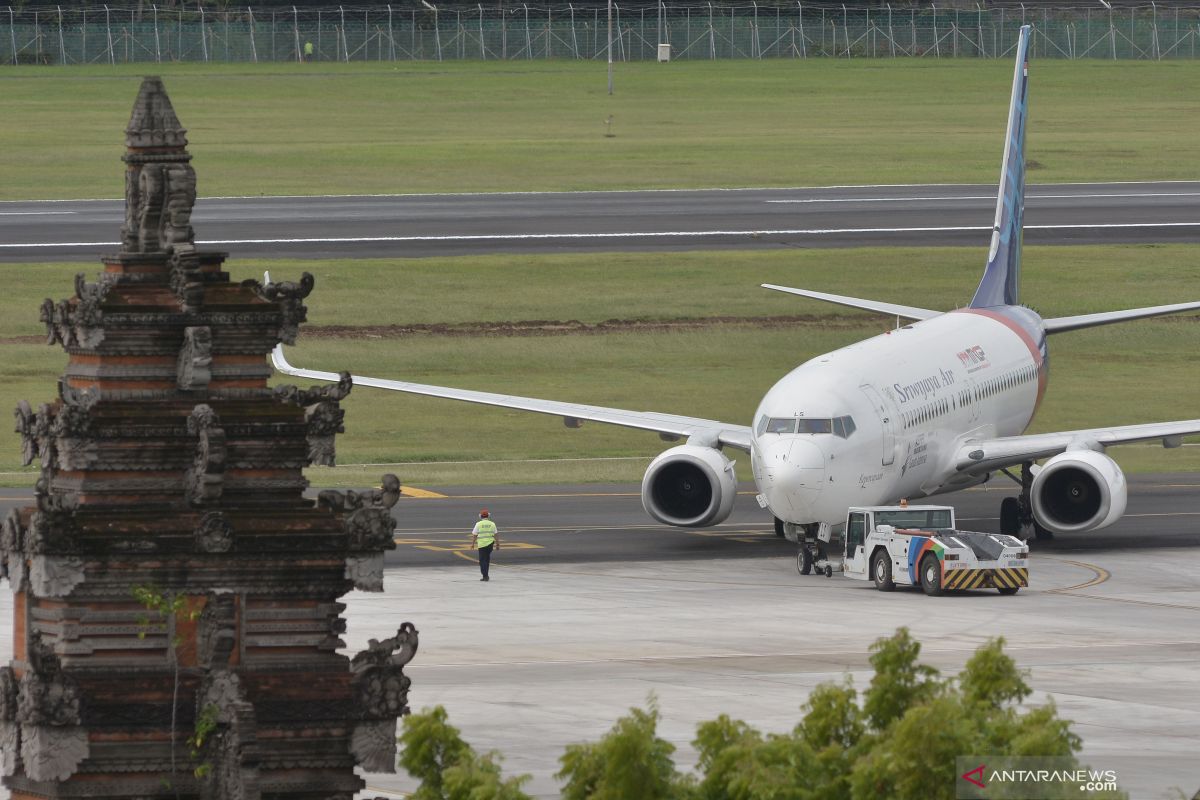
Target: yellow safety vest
485, 532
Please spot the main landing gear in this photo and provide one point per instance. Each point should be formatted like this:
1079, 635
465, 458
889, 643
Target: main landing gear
1016, 513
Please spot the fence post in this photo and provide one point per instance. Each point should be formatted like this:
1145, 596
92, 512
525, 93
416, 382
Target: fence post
803, 41
296, 32
712, 35
528, 40
610, 66
482, 49
253, 44
574, 38
437, 33
62, 47
12, 33
112, 58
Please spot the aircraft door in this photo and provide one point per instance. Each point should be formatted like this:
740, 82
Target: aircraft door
855, 558
885, 417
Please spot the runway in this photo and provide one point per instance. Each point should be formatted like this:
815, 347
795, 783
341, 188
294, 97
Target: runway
401, 226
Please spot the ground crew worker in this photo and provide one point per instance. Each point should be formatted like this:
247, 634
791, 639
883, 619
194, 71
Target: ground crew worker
308, 51
484, 538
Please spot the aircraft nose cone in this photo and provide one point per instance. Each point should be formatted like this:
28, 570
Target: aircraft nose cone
793, 475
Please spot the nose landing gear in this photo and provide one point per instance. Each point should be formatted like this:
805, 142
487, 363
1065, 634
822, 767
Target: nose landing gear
811, 553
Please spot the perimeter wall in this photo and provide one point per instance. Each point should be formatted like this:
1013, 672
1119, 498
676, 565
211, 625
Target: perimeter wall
147, 33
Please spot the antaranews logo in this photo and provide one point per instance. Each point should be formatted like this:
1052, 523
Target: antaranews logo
1028, 778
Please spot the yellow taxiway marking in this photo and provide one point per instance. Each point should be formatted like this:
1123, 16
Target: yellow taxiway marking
1099, 576
463, 548
425, 494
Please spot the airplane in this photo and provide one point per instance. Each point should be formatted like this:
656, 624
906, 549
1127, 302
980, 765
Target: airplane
934, 406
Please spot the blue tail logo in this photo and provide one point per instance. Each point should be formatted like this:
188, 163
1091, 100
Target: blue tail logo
1002, 278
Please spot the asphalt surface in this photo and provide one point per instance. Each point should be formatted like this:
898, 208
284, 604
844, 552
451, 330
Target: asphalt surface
594, 523
456, 224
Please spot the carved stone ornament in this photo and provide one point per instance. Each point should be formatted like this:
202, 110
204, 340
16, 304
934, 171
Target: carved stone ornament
8, 695
193, 370
373, 745
216, 634
232, 749
55, 576
10, 747
365, 572
307, 397
380, 685
46, 702
288, 296
12, 546
324, 423
186, 280
52, 754
214, 534
204, 481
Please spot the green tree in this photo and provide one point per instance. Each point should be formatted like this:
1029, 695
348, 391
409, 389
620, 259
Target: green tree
991, 678
629, 761
449, 769
899, 682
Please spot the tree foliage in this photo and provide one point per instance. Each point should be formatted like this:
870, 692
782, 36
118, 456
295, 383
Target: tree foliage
449, 769
898, 740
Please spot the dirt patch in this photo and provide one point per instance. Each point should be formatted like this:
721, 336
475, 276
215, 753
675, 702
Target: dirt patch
544, 327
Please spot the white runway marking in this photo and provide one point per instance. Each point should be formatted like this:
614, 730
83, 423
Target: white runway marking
34, 213
617, 191
980, 197
629, 234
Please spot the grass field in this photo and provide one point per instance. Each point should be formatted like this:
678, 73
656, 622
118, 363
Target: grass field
434, 127
717, 367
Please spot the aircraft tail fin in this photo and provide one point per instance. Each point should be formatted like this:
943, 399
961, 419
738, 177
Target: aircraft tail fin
1002, 277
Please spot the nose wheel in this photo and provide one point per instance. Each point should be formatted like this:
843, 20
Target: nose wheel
808, 558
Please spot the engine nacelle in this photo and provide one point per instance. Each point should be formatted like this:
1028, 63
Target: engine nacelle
1079, 490
690, 487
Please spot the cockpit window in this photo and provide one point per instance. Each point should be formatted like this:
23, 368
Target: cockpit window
781, 425
842, 426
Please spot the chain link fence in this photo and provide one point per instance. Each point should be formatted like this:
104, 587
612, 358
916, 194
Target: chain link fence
113, 35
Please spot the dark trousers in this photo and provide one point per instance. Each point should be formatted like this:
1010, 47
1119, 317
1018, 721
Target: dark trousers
485, 559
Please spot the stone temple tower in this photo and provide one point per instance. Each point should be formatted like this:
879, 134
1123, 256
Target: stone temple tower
176, 615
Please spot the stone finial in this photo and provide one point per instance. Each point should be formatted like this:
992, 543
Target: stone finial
160, 185
153, 123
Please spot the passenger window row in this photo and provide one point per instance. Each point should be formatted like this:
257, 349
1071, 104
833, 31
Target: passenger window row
976, 394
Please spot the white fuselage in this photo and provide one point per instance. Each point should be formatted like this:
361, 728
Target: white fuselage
912, 396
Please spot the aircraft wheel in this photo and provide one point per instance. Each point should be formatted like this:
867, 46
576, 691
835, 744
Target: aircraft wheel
931, 576
804, 560
1008, 589
779, 527
881, 572
1010, 516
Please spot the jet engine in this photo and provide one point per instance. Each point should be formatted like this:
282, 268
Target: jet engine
1079, 490
690, 487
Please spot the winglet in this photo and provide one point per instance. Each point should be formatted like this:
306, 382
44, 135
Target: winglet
1001, 280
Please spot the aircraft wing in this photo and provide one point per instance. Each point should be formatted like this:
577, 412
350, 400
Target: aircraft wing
891, 309
984, 455
668, 426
